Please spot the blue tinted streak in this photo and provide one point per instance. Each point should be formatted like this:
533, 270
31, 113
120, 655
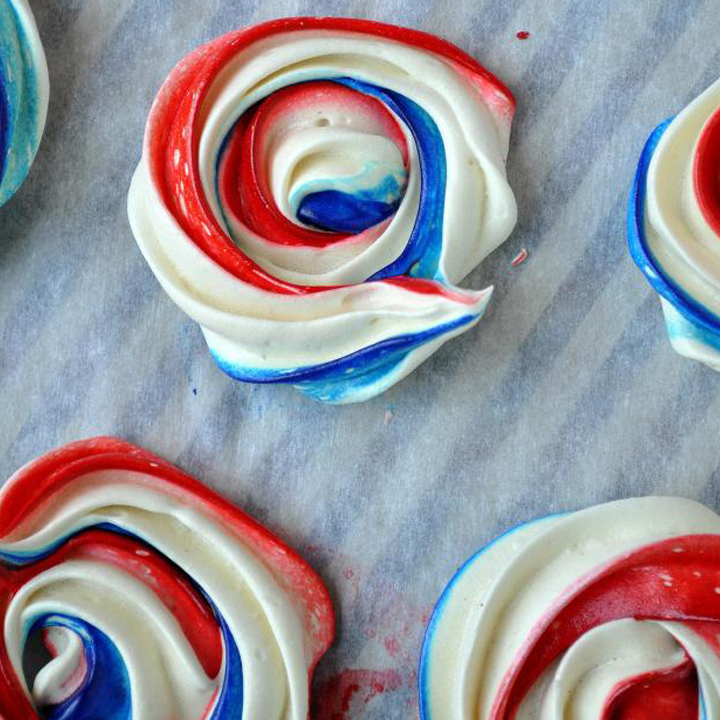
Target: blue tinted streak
338, 379
421, 256
341, 212
105, 691
706, 324
4, 120
229, 705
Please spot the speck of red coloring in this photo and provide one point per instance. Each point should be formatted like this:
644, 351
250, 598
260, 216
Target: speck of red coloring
392, 645
520, 258
523, 35
351, 689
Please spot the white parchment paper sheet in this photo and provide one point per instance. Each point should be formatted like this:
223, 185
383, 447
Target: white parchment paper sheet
566, 394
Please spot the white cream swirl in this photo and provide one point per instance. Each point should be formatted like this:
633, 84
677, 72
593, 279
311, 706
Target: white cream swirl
160, 600
312, 189
581, 616
674, 224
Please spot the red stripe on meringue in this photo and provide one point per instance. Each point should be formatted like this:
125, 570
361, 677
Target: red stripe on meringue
671, 694
244, 181
191, 610
182, 599
676, 579
41, 483
706, 172
428, 287
172, 133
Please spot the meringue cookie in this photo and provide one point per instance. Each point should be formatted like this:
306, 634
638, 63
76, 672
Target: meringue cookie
594, 614
24, 93
674, 225
157, 598
312, 189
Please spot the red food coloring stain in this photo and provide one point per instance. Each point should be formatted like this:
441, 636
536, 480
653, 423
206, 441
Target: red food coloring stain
351, 690
392, 645
523, 35
668, 694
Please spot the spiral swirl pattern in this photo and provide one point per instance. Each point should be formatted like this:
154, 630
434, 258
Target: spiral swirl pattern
674, 225
157, 599
311, 190
611, 612
24, 90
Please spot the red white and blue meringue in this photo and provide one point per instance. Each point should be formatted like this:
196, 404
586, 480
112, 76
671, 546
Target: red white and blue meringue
609, 613
157, 599
24, 94
674, 225
312, 189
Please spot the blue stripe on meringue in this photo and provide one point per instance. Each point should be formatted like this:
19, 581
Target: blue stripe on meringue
705, 324
421, 256
338, 380
229, 705
19, 559
344, 378
339, 211
105, 689
4, 119
351, 204
8, 50
103, 696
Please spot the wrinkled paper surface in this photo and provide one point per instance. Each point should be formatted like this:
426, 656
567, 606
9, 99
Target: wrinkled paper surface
566, 394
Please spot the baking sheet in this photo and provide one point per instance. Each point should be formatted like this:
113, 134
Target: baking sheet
566, 394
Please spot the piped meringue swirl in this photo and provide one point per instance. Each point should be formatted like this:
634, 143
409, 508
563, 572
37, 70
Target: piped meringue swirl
312, 189
156, 598
674, 225
610, 612
24, 92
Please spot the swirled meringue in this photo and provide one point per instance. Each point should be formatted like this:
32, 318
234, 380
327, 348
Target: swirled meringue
157, 598
24, 92
312, 189
674, 225
610, 612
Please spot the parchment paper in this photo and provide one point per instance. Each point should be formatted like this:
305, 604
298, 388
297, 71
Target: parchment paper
566, 394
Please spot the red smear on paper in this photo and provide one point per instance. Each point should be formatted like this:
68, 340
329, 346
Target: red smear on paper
392, 645
350, 690
523, 35
395, 626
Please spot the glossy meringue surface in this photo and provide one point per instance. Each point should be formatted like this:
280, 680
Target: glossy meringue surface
609, 612
24, 92
156, 598
312, 190
674, 225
